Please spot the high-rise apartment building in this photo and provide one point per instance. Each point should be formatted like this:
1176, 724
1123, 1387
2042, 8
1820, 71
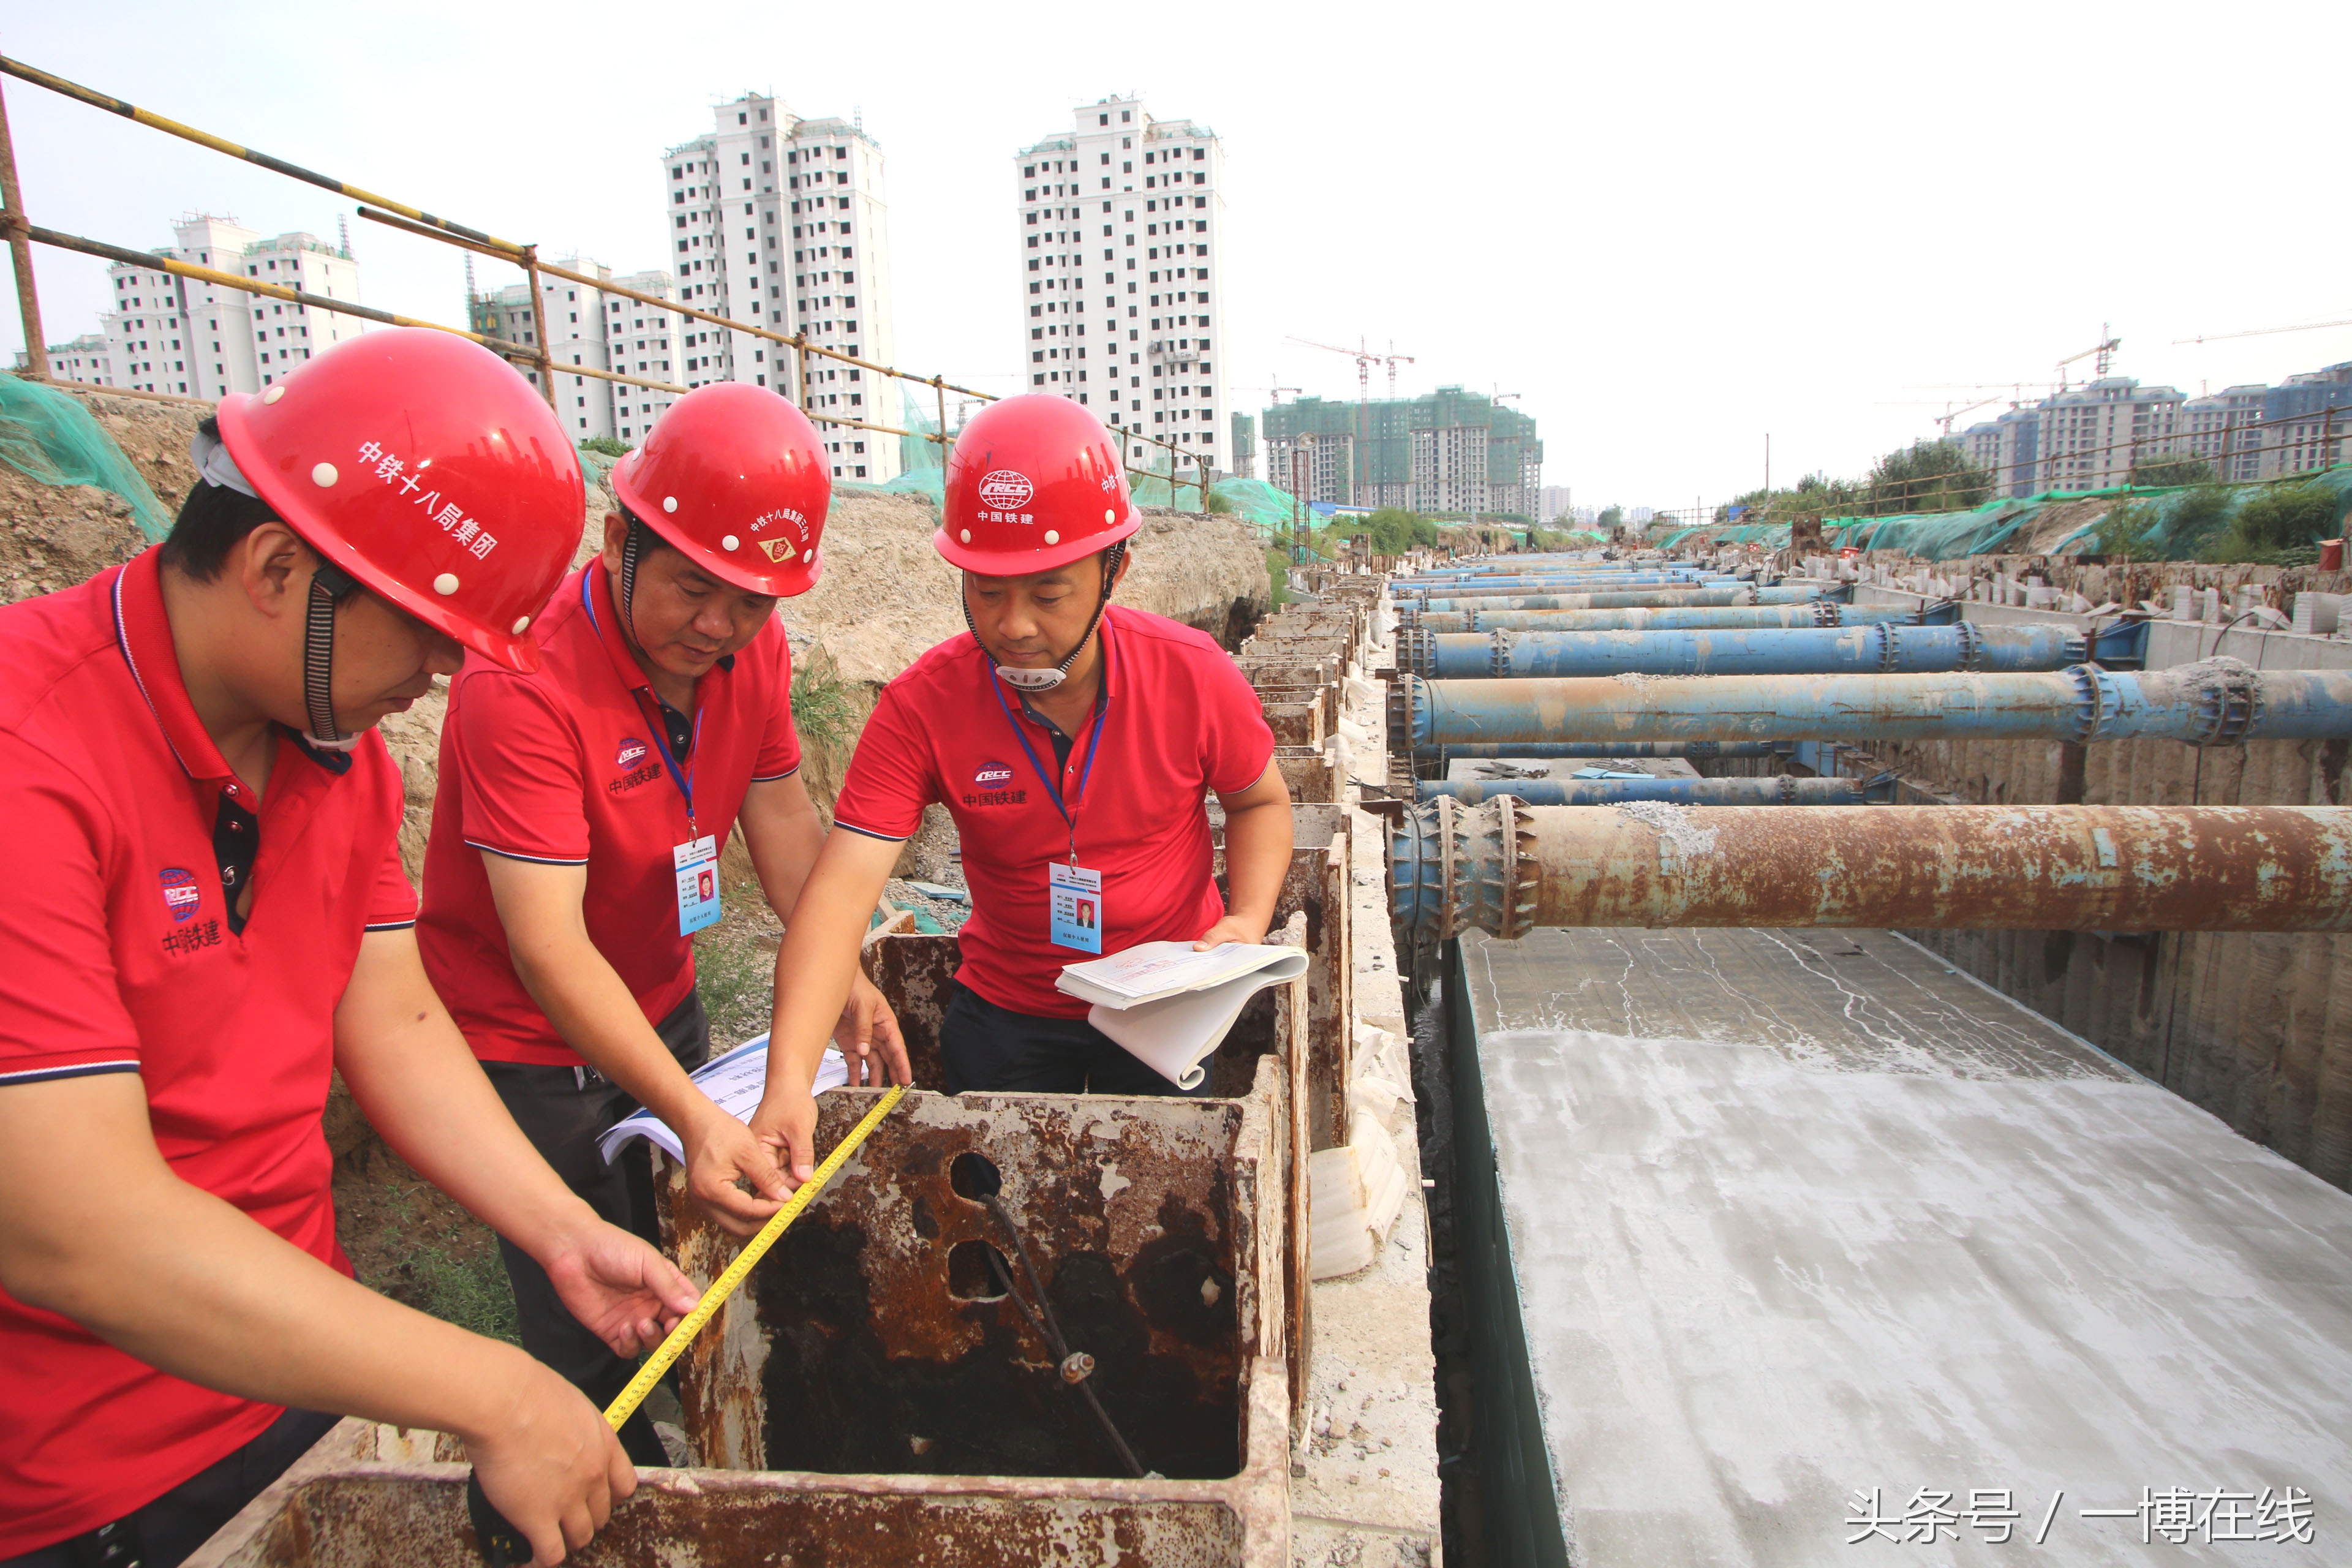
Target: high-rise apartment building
2223, 428
189, 338
1450, 451
781, 222
1119, 228
586, 326
2090, 437
2008, 448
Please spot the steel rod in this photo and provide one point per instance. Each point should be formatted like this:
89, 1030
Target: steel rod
81, 94
20, 253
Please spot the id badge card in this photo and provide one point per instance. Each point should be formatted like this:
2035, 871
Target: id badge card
1073, 903
697, 864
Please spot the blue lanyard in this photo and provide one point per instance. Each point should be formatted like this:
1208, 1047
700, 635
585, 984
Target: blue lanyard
677, 775
1093, 745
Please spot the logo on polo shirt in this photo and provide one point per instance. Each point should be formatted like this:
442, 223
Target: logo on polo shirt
180, 893
991, 785
633, 752
1006, 488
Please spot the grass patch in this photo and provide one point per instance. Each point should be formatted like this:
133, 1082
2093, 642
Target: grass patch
1277, 571
734, 972
824, 710
444, 1272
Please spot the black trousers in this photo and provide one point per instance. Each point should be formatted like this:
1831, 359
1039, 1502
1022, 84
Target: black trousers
564, 1117
986, 1047
163, 1532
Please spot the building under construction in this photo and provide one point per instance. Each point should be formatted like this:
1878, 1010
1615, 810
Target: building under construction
1448, 453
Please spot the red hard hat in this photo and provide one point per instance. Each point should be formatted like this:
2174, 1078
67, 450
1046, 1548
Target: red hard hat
1035, 482
427, 468
734, 476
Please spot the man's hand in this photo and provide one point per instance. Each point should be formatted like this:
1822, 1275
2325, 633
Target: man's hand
1232, 928
623, 1291
868, 1029
720, 1152
786, 1124
549, 1465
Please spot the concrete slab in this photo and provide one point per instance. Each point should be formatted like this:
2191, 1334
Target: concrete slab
1804, 1231
1364, 1479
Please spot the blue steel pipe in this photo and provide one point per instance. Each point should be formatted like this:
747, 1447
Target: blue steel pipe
1819, 613
1625, 599
1885, 647
2215, 702
1785, 789
1478, 585
1546, 750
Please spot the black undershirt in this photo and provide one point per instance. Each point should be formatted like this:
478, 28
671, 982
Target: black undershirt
1062, 744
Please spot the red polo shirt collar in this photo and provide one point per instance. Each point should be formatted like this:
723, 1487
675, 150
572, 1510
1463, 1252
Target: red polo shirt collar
145, 633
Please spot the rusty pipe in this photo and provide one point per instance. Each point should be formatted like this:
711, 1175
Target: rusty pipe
1507, 868
2214, 702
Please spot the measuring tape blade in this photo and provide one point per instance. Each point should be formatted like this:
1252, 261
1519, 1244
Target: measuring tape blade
756, 1248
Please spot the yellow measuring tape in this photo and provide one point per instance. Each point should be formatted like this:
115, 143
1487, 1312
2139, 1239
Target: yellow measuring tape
756, 1248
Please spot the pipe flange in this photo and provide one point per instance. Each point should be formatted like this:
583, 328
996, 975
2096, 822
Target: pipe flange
1890, 648
1701, 750
1400, 715
1828, 613
2093, 700
2230, 701
1521, 872
1787, 788
1972, 647
1417, 652
1498, 654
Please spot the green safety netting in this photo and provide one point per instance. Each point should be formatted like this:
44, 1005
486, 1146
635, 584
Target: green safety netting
1267, 507
1771, 535
50, 437
2185, 521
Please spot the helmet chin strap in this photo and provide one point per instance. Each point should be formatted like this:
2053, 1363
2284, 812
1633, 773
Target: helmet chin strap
1046, 680
327, 583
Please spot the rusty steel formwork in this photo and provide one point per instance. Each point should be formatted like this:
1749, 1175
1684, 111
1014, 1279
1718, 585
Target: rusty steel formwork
1313, 775
1315, 889
1325, 699
919, 1419
1507, 868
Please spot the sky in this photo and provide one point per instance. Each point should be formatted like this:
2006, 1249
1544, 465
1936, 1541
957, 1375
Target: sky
1676, 232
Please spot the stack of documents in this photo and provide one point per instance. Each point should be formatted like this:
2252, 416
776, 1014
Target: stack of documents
1170, 1006
734, 1082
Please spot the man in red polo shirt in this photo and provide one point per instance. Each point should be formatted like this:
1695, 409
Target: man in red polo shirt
575, 837
1075, 743
208, 918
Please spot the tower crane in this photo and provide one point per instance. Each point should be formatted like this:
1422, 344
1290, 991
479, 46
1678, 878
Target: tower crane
1365, 359
2105, 348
